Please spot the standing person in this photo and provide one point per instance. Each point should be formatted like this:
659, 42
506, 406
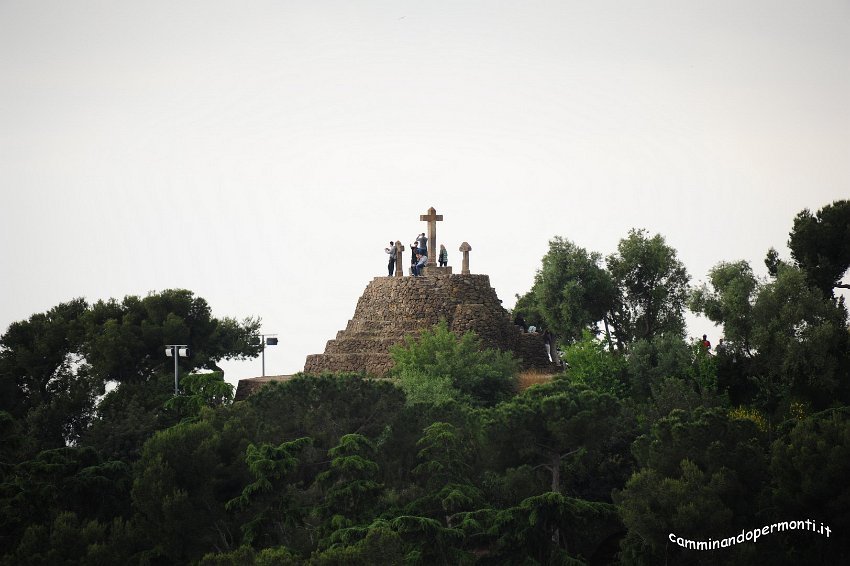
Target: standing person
547, 342
705, 343
391, 265
444, 256
423, 244
414, 249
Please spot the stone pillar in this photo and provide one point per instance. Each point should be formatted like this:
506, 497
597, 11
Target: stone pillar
399, 266
465, 248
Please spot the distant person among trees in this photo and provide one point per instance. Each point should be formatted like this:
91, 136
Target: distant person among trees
391, 265
547, 343
705, 343
721, 347
562, 358
444, 256
519, 321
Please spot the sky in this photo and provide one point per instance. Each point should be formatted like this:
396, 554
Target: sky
262, 154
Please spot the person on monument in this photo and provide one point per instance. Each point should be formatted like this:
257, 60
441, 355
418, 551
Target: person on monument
391, 265
414, 249
423, 244
520, 321
421, 260
444, 256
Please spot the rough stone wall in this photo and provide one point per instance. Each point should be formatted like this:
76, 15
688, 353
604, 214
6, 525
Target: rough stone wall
248, 387
394, 307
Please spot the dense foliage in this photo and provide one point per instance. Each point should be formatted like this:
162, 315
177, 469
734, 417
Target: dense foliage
646, 438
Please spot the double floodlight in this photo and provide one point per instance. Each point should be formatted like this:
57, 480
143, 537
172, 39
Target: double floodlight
264, 340
176, 351
182, 351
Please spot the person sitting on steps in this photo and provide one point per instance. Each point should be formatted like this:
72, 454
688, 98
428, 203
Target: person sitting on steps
421, 260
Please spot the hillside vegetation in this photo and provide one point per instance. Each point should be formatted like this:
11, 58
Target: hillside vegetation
646, 442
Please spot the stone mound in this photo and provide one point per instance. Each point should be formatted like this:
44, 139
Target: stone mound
394, 307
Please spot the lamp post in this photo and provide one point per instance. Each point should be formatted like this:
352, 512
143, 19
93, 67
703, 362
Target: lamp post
266, 340
176, 351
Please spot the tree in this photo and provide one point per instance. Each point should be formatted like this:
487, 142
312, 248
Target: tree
549, 528
199, 390
820, 244
128, 415
528, 310
552, 423
349, 486
125, 340
701, 474
62, 481
444, 455
669, 356
269, 498
324, 407
45, 382
802, 343
809, 470
440, 366
378, 543
729, 301
784, 336
653, 287
589, 363
571, 289
180, 486
54, 366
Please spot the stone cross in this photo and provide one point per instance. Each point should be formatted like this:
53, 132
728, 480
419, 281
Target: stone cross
464, 247
432, 218
399, 266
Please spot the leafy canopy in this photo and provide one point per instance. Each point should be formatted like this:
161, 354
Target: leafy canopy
820, 244
440, 366
571, 289
653, 287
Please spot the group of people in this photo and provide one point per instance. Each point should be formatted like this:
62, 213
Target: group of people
418, 256
721, 347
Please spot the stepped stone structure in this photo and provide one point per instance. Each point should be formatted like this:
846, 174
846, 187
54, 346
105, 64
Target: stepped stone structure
393, 307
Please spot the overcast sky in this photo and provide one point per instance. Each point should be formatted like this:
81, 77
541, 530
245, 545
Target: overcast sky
262, 154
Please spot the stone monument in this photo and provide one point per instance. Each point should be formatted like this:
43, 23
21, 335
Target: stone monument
431, 218
392, 308
399, 265
465, 248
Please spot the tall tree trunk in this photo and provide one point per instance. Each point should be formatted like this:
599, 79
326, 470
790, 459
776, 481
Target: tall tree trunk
608, 334
556, 472
556, 487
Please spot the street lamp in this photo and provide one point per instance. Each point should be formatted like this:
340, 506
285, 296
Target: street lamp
176, 351
266, 340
